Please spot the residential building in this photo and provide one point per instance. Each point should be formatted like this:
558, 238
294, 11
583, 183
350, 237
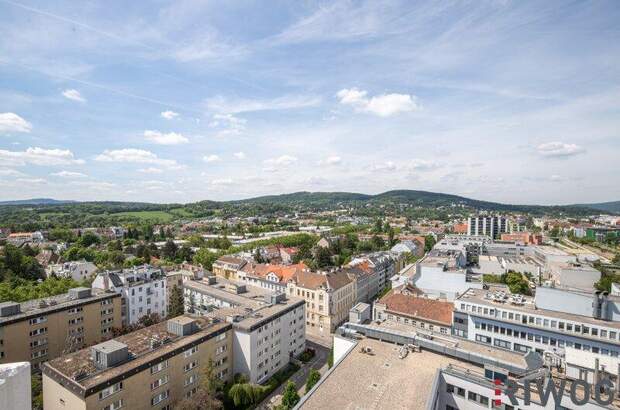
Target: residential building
404, 276
366, 281
228, 266
555, 319
328, 298
522, 237
179, 276
268, 328
382, 264
15, 386
288, 254
153, 367
269, 276
47, 257
407, 305
408, 247
43, 329
143, 290
492, 226
76, 270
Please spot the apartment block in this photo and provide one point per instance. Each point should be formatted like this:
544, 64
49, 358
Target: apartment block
43, 329
143, 290
228, 266
328, 298
151, 368
268, 328
492, 226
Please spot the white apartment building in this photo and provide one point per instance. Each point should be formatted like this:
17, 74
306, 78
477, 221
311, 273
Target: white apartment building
143, 290
555, 320
76, 270
268, 328
442, 274
492, 226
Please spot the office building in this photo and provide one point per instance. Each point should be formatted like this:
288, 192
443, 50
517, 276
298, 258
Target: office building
151, 368
43, 329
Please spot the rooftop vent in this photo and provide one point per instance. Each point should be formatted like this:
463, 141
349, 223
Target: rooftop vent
182, 326
109, 354
211, 280
275, 298
42, 303
80, 293
9, 309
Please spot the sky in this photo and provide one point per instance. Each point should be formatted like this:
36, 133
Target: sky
181, 101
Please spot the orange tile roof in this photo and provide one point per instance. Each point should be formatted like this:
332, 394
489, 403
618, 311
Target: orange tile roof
403, 300
283, 272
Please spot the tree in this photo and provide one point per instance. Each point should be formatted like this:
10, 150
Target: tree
378, 226
201, 400
169, 250
205, 258
36, 386
429, 242
258, 257
616, 259
290, 397
246, 394
115, 246
149, 319
89, 238
177, 305
323, 257
184, 254
313, 378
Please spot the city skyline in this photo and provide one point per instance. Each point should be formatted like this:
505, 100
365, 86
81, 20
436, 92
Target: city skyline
193, 100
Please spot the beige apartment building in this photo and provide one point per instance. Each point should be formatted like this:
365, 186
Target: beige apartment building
151, 368
228, 266
43, 329
328, 296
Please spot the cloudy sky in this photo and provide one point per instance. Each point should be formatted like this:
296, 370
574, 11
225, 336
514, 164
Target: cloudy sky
179, 101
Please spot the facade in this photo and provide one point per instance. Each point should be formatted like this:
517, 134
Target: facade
77, 270
43, 329
179, 277
15, 385
575, 275
492, 226
382, 264
268, 328
522, 237
442, 274
555, 320
228, 266
151, 368
269, 276
406, 305
328, 298
143, 290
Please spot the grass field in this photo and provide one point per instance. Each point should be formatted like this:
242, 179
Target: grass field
160, 216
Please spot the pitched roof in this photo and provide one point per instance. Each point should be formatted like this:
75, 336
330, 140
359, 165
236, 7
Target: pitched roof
283, 272
406, 300
231, 259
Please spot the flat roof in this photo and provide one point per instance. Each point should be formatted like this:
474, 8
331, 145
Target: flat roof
53, 304
71, 366
381, 379
478, 296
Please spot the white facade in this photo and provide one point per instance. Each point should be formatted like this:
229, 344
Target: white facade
15, 390
77, 270
143, 290
492, 226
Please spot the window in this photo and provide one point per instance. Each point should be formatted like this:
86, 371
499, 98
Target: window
483, 339
220, 337
159, 382
114, 406
37, 354
37, 320
107, 392
190, 352
501, 343
39, 331
190, 380
449, 388
160, 397
159, 367
222, 349
75, 310
190, 366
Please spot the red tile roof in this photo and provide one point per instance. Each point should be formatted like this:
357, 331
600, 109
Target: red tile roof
403, 300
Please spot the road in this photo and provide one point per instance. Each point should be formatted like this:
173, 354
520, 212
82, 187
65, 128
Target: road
318, 362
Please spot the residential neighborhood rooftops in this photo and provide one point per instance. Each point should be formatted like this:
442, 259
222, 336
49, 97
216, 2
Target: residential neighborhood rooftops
406, 300
329, 281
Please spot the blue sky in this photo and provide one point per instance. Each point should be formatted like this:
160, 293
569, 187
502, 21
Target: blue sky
188, 100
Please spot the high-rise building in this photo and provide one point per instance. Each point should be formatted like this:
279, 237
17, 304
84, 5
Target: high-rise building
492, 226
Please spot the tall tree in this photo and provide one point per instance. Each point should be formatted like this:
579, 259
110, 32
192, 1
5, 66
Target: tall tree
313, 378
169, 251
290, 397
177, 305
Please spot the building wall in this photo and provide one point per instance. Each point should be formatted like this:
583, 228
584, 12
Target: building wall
136, 392
15, 386
56, 340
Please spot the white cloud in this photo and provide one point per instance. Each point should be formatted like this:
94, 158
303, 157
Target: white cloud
211, 158
135, 155
228, 125
224, 105
333, 160
386, 166
559, 149
417, 164
382, 105
69, 174
38, 156
283, 160
239, 155
74, 95
222, 181
31, 180
171, 138
11, 173
11, 122
151, 170
169, 115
